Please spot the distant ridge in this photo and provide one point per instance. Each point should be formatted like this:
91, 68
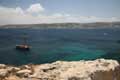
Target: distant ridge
65, 25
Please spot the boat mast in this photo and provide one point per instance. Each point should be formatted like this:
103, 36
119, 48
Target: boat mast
25, 39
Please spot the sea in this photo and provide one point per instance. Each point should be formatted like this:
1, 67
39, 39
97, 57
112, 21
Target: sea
50, 45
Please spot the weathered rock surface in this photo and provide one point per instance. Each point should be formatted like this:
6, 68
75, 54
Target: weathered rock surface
3, 73
2, 66
99, 69
24, 73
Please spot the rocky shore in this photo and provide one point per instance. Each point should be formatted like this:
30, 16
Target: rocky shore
99, 69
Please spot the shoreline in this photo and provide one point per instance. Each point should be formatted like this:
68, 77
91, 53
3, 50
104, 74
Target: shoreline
99, 69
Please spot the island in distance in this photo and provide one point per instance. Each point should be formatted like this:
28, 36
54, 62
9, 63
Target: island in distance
66, 25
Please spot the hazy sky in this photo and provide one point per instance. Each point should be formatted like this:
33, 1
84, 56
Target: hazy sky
51, 11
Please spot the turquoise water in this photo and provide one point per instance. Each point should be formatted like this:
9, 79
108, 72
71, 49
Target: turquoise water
49, 45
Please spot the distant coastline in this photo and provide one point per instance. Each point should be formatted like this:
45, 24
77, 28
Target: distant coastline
66, 25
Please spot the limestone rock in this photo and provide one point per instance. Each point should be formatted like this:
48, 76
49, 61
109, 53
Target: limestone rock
2, 66
3, 73
25, 67
24, 73
100, 69
13, 69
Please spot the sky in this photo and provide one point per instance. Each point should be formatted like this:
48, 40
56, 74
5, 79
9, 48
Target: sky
58, 11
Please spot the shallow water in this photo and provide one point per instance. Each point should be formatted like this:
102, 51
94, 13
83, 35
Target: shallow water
49, 45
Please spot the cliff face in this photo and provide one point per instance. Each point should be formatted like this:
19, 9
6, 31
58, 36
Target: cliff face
99, 69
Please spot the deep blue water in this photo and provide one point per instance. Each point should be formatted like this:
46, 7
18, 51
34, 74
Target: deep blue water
49, 45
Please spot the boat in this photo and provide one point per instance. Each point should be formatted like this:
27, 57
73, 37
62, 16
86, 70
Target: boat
24, 46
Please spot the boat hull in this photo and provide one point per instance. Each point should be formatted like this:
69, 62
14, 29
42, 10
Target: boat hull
23, 47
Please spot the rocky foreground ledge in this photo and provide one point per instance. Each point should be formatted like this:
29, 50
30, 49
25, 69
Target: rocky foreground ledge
99, 69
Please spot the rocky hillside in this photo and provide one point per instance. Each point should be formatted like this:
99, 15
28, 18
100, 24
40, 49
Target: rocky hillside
99, 69
66, 25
